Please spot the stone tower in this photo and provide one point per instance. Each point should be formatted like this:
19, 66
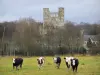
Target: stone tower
46, 15
61, 16
55, 19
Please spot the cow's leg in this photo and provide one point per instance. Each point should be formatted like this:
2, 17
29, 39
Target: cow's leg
76, 68
13, 67
20, 65
39, 66
17, 67
73, 67
58, 65
67, 64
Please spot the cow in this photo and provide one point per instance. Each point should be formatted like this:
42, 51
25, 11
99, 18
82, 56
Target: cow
68, 61
57, 61
40, 61
74, 64
17, 62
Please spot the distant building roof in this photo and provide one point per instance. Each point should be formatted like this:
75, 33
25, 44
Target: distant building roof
93, 37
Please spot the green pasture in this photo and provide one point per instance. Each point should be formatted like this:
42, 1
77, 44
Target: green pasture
88, 65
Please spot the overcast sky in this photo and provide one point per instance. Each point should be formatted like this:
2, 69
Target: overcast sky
75, 10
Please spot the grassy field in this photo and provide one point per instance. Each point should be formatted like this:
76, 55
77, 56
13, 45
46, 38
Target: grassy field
89, 65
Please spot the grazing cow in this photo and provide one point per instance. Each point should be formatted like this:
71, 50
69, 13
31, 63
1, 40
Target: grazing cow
74, 64
57, 60
40, 62
17, 62
68, 61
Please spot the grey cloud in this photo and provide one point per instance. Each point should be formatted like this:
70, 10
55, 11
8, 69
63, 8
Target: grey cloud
75, 10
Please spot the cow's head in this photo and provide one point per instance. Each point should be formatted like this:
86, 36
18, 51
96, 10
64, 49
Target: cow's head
55, 59
13, 60
40, 61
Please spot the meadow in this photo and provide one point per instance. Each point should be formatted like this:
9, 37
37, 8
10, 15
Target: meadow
88, 65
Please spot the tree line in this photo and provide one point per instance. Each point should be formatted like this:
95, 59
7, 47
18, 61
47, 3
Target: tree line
29, 38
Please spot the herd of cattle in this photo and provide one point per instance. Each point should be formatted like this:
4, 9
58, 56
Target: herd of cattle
70, 62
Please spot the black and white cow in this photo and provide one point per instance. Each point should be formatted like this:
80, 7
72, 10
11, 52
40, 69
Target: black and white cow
74, 64
17, 62
40, 61
68, 61
57, 60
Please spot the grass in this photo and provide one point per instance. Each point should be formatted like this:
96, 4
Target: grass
89, 65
